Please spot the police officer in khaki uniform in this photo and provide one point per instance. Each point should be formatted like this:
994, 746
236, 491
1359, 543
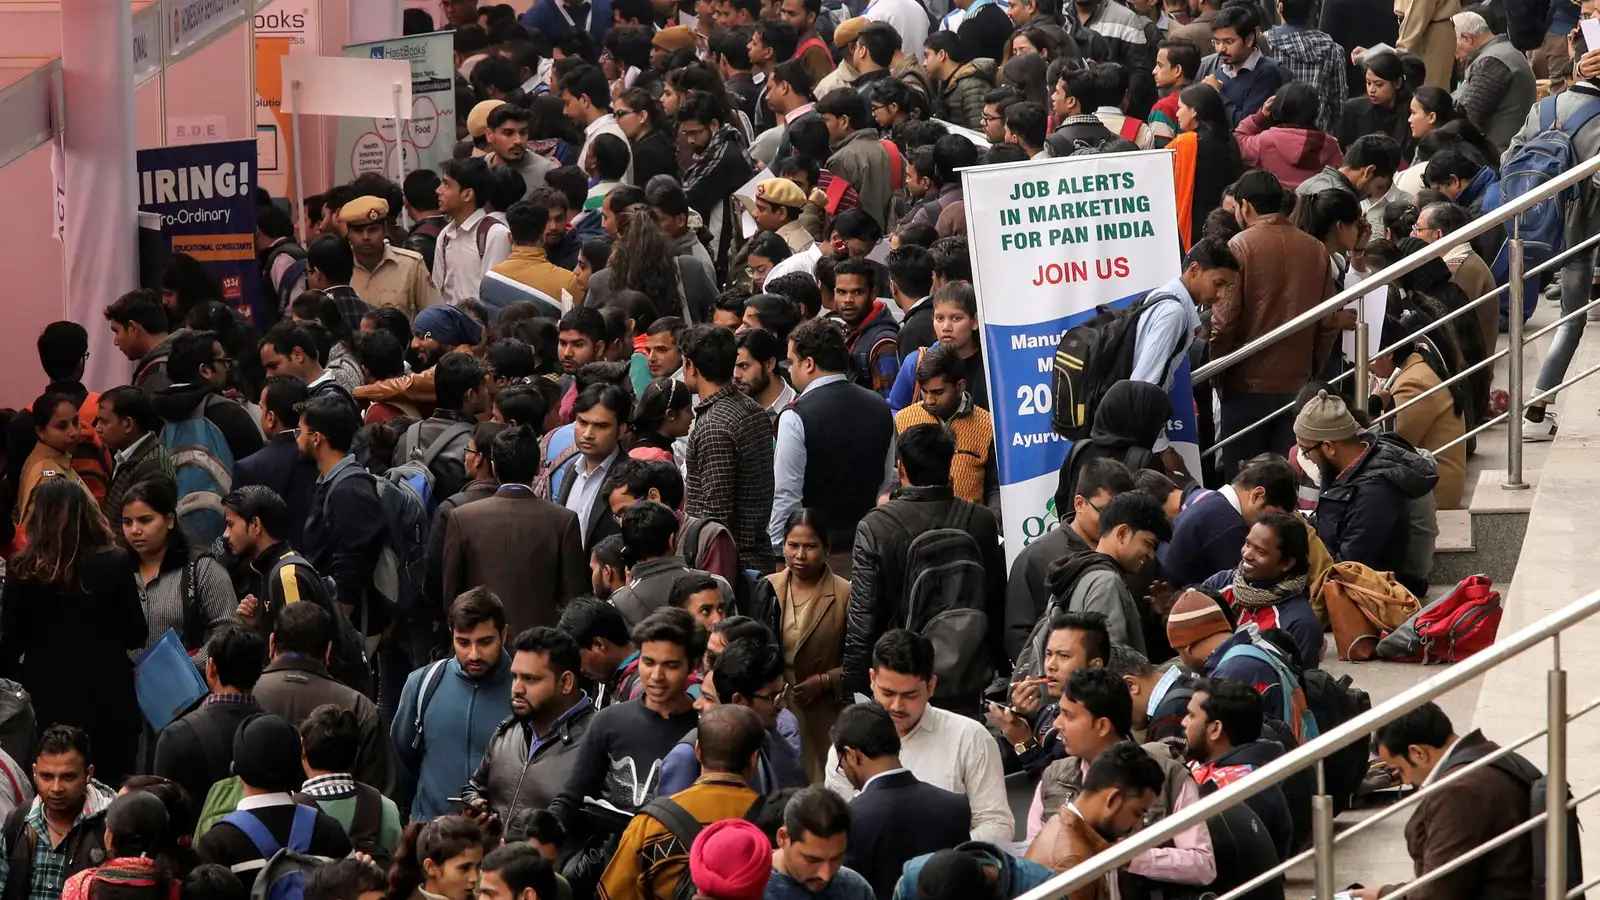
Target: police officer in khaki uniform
385, 275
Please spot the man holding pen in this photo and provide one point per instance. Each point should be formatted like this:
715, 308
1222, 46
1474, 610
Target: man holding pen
1027, 734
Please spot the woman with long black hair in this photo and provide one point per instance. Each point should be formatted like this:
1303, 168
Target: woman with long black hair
181, 587
1206, 143
69, 615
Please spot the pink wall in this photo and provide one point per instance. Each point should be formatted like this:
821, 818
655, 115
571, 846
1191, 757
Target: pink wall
33, 263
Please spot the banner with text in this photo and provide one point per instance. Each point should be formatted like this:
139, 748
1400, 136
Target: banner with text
427, 139
205, 195
1050, 241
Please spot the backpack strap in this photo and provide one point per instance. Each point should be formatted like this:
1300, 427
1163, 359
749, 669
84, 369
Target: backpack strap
444, 440
480, 232
194, 624
683, 826
366, 822
1286, 679
429, 687
305, 822
259, 835
1130, 128
896, 163
1580, 118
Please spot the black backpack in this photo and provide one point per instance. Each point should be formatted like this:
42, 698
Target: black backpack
1092, 356
685, 828
946, 594
348, 663
1333, 702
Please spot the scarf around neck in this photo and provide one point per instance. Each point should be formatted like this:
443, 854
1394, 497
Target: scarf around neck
1252, 597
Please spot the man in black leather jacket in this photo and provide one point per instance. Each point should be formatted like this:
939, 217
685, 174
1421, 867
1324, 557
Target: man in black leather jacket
878, 578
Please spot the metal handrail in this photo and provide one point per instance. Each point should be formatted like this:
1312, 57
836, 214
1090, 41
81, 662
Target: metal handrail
1498, 216
1554, 262
1319, 749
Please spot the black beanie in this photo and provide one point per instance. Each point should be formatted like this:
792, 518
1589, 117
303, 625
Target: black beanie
266, 754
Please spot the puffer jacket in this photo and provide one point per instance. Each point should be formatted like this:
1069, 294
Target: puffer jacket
961, 96
1291, 153
509, 779
1359, 515
909, 70
878, 569
1286, 272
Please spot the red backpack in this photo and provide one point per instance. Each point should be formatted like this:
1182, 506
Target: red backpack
1450, 628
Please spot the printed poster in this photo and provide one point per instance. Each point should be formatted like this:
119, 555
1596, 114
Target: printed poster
1052, 239
282, 27
205, 195
427, 139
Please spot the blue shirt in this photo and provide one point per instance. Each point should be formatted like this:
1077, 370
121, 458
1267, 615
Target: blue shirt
1164, 333
847, 884
586, 489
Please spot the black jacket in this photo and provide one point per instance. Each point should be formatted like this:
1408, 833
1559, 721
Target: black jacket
654, 154
916, 329
176, 403
881, 844
85, 845
1078, 133
1362, 517
1243, 849
344, 535
281, 466
196, 750
1027, 597
877, 577
1284, 808
508, 780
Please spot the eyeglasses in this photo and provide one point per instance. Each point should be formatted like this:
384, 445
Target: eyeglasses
222, 361
624, 113
779, 697
989, 118
474, 451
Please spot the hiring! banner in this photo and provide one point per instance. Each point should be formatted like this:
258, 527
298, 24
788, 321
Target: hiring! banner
205, 195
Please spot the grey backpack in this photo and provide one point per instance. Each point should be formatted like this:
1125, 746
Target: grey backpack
946, 594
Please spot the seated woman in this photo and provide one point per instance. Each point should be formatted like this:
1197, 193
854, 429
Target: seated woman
1436, 419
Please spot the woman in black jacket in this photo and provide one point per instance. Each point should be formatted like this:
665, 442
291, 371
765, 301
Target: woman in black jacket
643, 121
72, 606
1384, 109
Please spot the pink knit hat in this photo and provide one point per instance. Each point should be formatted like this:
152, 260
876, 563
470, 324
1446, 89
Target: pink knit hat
731, 860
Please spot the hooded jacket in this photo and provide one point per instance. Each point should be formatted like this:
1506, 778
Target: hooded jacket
151, 372
1127, 423
961, 95
1092, 582
459, 719
1290, 152
1360, 515
176, 403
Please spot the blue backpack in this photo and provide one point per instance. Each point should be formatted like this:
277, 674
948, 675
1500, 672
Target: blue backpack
1295, 706
1541, 160
204, 465
285, 869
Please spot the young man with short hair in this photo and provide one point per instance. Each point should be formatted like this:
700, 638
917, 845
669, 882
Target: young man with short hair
518, 872
292, 348
729, 458
330, 267
872, 335
636, 734
130, 430
1270, 587
508, 146
196, 750
1119, 788
1177, 64
449, 709
1222, 739
530, 755
473, 242
586, 100
331, 740
440, 441
1367, 171
942, 382
64, 831
857, 153
941, 748
1251, 76
344, 532
889, 795
755, 372
1026, 125
1027, 736
279, 465
813, 842
602, 412
1310, 56
1208, 533
528, 274
607, 654
421, 193
1074, 98
811, 50
1131, 526
995, 104
139, 329
199, 369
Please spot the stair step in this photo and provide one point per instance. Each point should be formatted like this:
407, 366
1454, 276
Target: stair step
1489, 495
1455, 532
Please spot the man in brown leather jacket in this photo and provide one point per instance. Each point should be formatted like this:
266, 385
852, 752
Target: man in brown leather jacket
1283, 273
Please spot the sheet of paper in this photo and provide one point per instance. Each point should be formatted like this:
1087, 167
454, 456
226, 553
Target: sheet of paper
1591, 32
1374, 304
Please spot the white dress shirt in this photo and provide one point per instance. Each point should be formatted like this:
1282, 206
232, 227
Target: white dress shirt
586, 488
908, 18
955, 753
457, 267
789, 464
606, 124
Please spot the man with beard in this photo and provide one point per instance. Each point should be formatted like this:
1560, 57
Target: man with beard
755, 372
1222, 734
508, 146
530, 755
1118, 791
451, 709
384, 275
435, 331
1096, 716
809, 861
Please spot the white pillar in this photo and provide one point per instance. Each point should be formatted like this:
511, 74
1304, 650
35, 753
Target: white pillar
373, 20
101, 246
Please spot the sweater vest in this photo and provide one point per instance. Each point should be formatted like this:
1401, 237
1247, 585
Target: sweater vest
974, 437
848, 429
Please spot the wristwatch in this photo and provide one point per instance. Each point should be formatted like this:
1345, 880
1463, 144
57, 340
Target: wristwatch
1022, 747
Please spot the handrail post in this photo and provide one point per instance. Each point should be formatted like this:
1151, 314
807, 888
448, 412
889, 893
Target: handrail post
1322, 835
1514, 329
1555, 841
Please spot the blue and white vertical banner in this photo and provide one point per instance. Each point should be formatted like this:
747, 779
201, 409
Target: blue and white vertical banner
1051, 240
205, 195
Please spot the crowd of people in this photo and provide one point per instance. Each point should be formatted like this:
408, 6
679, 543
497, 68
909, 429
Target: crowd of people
624, 520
